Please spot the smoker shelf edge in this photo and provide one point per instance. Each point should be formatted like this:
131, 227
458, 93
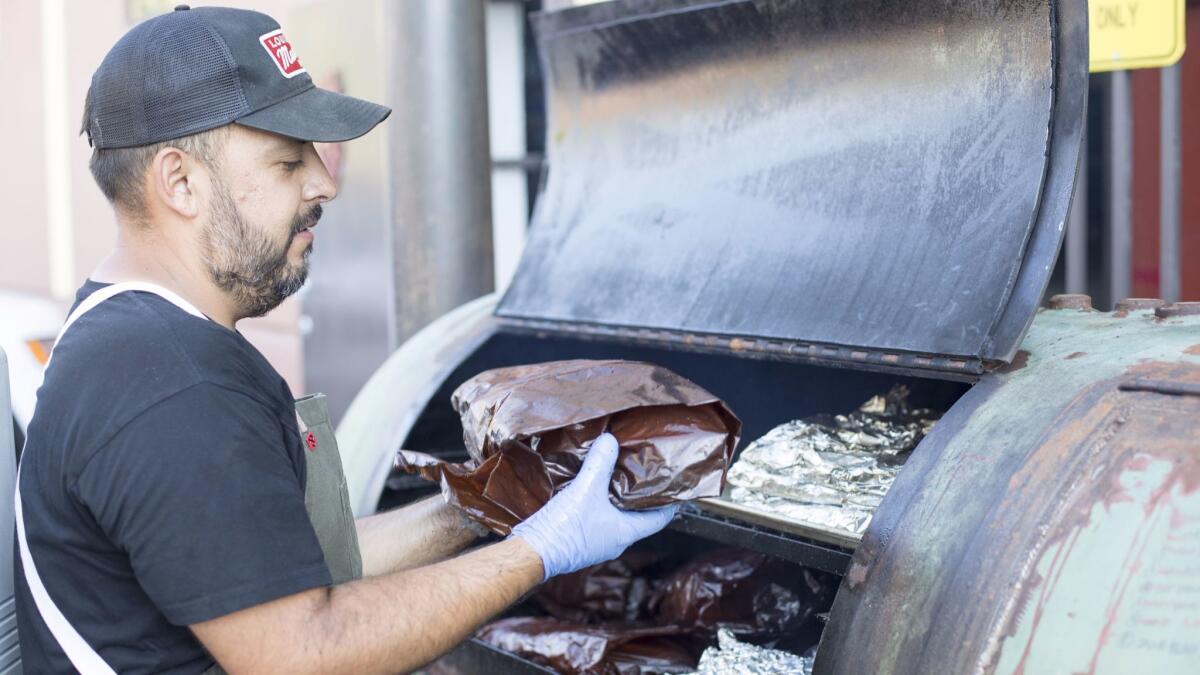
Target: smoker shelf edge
477, 656
825, 557
733, 531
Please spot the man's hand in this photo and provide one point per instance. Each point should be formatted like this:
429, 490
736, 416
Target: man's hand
579, 526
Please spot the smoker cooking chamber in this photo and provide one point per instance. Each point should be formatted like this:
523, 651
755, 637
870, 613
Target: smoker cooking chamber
795, 204
764, 393
944, 566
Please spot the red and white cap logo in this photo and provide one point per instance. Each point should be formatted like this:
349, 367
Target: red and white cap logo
281, 53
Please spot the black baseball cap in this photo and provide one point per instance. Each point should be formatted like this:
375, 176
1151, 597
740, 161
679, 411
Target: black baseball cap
192, 70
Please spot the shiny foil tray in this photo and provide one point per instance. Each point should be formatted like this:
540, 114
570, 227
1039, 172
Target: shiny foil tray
824, 476
727, 509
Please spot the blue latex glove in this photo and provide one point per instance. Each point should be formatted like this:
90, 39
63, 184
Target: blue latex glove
579, 526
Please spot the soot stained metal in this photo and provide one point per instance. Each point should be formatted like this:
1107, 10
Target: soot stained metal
884, 177
1048, 522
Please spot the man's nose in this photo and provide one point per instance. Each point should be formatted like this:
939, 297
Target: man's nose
320, 185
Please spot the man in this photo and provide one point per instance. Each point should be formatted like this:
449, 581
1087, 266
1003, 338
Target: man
174, 509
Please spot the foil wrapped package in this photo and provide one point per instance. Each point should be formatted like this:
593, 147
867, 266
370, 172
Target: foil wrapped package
601, 623
653, 656
831, 471
732, 657
528, 428
591, 649
611, 591
742, 591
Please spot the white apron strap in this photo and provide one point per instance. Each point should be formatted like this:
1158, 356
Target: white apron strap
82, 656
109, 291
78, 651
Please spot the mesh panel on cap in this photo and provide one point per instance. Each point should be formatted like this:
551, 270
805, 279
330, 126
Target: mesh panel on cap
116, 98
168, 77
194, 83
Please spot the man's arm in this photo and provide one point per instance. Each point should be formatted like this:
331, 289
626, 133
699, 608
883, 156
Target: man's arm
386, 624
399, 621
418, 534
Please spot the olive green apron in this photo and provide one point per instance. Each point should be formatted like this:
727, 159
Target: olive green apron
325, 495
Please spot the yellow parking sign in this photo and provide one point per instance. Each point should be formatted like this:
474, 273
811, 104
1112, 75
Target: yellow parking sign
1126, 34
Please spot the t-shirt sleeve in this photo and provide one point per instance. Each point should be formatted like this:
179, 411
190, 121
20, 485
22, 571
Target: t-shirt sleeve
203, 494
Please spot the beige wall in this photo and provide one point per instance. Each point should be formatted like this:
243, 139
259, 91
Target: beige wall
23, 239
44, 174
91, 28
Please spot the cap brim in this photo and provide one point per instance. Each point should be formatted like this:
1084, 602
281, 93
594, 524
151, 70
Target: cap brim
318, 115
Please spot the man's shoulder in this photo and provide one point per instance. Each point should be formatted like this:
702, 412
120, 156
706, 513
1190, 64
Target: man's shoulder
146, 338
129, 355
132, 352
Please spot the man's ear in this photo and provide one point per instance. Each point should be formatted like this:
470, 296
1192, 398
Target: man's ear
173, 181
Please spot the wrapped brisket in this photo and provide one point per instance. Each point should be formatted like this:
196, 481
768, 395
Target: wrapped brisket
603, 624
744, 592
528, 428
617, 590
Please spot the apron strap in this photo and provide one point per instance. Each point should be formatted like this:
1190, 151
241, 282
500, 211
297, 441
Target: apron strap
89, 303
78, 651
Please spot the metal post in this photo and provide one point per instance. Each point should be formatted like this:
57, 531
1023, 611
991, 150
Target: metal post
1120, 187
8, 482
440, 159
506, 126
1077, 229
1168, 268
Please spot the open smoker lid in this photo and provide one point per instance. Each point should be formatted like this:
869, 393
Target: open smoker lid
882, 176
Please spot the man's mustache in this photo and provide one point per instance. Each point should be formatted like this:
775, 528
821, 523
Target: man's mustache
307, 220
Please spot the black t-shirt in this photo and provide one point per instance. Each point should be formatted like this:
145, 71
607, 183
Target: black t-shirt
162, 485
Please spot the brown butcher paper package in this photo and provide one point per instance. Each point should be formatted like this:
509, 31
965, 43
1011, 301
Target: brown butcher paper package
617, 590
528, 428
647, 613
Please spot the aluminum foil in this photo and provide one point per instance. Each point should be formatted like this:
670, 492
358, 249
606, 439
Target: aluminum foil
731, 657
831, 471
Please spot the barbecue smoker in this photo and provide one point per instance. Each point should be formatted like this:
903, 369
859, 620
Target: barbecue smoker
797, 205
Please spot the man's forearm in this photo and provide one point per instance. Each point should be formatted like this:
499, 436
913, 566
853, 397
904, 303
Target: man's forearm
418, 534
391, 623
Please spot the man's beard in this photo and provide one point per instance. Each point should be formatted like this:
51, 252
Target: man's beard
245, 262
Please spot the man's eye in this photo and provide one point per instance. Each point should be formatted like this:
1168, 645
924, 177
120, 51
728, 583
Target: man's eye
292, 166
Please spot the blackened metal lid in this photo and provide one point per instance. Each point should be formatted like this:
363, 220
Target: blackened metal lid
864, 174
